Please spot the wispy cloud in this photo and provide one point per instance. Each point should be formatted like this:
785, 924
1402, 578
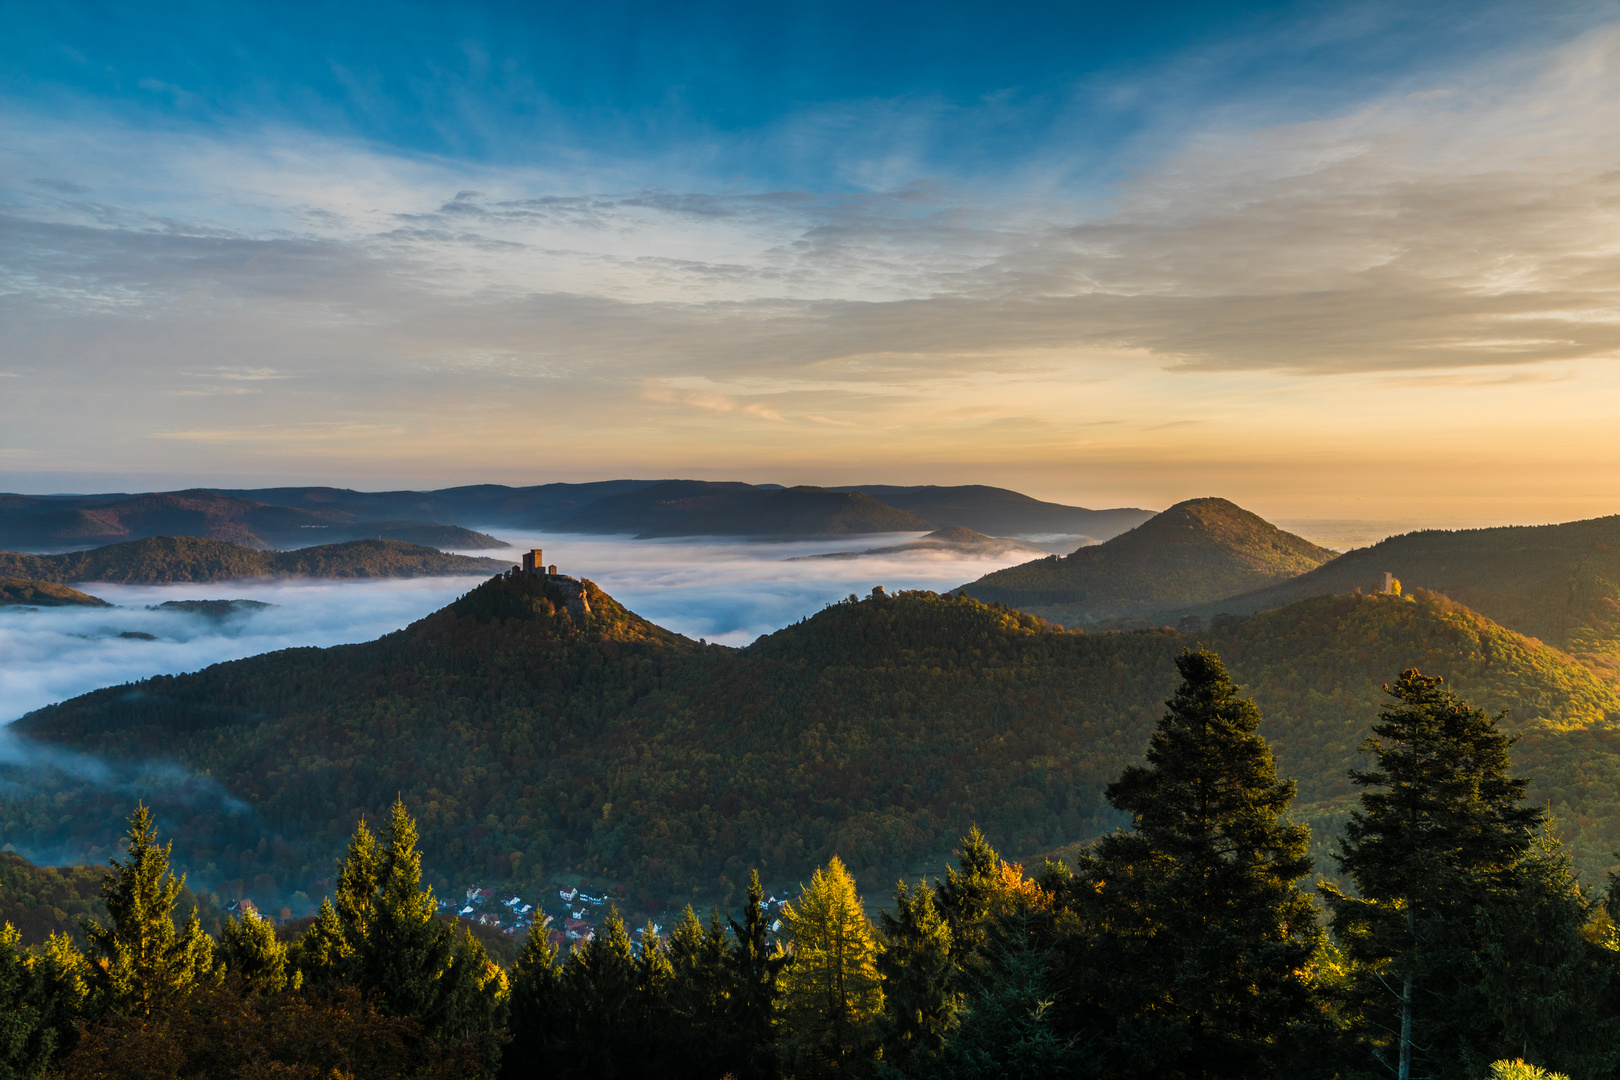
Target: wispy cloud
406, 305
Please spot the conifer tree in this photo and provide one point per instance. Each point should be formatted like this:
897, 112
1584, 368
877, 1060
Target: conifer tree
537, 1009
28, 1041
605, 1037
755, 967
332, 940
404, 952
699, 998
380, 936
248, 949
1008, 1025
1197, 938
919, 997
831, 991
963, 897
143, 962
1437, 841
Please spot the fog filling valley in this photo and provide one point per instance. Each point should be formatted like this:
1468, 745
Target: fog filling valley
725, 591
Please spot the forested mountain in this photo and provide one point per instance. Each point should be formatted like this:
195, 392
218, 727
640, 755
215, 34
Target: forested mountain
538, 737
1195, 551
20, 592
56, 522
1559, 583
170, 559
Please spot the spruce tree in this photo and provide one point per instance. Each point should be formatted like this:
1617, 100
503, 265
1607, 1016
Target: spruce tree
604, 1035
1197, 938
1436, 843
27, 1039
963, 897
919, 996
699, 998
755, 969
831, 991
143, 962
249, 950
332, 940
380, 936
404, 952
537, 1009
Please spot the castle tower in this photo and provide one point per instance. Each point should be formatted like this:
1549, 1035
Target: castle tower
534, 562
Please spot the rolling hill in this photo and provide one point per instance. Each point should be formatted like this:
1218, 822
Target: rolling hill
55, 523
534, 737
1196, 551
1559, 583
999, 512
170, 559
19, 592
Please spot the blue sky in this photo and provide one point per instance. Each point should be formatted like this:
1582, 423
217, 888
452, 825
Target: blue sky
1107, 253
623, 85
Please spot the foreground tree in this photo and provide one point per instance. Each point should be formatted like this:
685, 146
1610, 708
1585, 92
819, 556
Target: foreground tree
249, 950
1194, 946
755, 967
1449, 890
381, 937
143, 962
831, 991
920, 998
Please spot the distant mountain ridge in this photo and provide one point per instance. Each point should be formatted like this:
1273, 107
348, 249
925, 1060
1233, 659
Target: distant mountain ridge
1196, 551
54, 522
172, 559
792, 513
298, 516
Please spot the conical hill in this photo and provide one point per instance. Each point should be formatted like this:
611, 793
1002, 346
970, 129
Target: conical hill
1195, 551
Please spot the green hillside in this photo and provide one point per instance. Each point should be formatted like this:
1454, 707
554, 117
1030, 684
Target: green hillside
42, 900
20, 592
794, 512
169, 559
537, 739
1559, 583
1198, 550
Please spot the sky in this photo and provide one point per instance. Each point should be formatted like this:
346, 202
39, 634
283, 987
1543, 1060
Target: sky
1348, 260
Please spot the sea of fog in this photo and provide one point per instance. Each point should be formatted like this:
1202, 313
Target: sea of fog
725, 591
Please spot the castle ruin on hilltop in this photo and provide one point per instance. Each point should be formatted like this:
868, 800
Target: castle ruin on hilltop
573, 589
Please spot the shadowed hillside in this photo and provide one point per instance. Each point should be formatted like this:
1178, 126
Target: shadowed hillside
540, 735
1195, 551
169, 559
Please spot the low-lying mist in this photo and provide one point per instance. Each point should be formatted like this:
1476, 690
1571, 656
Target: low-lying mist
731, 591
723, 590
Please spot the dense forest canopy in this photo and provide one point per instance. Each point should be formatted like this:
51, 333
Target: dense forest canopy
539, 738
1559, 583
